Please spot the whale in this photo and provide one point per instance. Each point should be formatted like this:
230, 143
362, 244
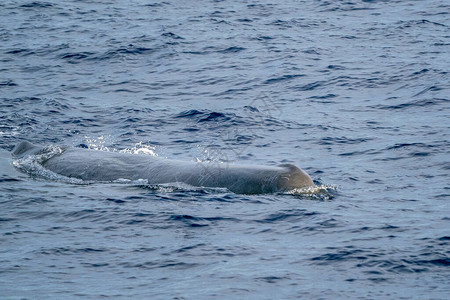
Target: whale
96, 165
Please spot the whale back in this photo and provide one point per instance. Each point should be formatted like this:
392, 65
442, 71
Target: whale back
93, 165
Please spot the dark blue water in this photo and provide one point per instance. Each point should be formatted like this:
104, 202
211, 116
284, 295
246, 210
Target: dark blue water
354, 92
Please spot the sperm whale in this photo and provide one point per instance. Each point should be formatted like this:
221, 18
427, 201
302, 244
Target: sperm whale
95, 165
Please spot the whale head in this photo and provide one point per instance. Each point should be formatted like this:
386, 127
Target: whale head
293, 178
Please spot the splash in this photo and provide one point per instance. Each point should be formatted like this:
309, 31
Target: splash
180, 187
9, 130
318, 192
141, 148
97, 143
32, 165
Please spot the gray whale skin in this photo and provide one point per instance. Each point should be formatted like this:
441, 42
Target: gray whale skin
94, 165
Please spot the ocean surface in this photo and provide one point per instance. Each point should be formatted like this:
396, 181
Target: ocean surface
356, 93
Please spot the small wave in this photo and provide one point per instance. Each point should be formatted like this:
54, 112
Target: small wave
283, 78
348, 253
415, 103
189, 113
302, 23
206, 116
342, 140
408, 145
130, 49
7, 83
233, 49
336, 67
414, 23
209, 50
263, 38
254, 116
37, 4
346, 6
75, 57
7, 179
172, 36
68, 250
373, 260
287, 215
171, 264
193, 221
417, 149
309, 86
327, 96
21, 51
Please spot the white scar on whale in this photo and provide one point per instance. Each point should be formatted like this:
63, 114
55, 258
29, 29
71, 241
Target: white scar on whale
95, 165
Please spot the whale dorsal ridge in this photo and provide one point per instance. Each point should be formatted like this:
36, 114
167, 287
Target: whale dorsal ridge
21, 148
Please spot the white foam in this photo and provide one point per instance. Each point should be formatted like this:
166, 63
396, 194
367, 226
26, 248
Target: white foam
141, 148
32, 165
317, 192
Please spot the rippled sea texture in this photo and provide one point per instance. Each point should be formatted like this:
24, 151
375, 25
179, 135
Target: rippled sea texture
354, 92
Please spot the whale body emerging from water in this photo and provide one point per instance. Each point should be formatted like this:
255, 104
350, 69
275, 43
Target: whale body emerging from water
94, 165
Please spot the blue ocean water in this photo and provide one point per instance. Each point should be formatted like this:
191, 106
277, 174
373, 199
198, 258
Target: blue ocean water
356, 93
